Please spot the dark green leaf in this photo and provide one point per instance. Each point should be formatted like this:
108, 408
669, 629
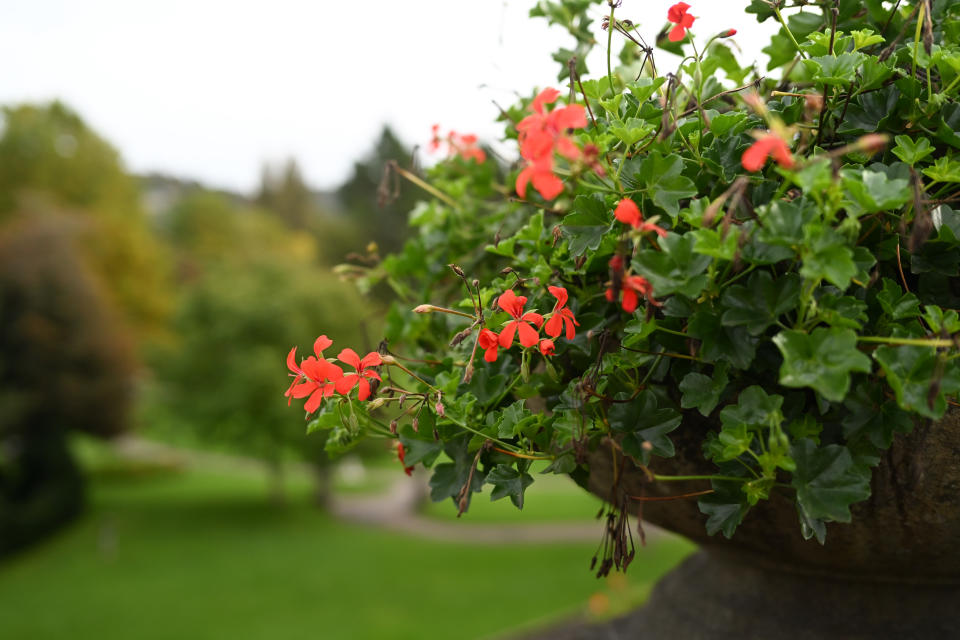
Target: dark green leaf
828, 481
703, 392
821, 360
508, 481
761, 302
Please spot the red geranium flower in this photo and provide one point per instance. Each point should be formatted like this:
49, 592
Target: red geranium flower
358, 379
401, 453
561, 316
319, 376
521, 323
627, 212
679, 16
542, 133
463, 145
547, 347
631, 287
488, 341
768, 144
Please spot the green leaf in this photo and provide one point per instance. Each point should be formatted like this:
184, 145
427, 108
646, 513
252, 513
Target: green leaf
895, 303
826, 256
761, 302
508, 481
660, 176
945, 169
450, 477
328, 419
643, 420
828, 481
874, 417
586, 225
632, 131
643, 88
912, 151
703, 392
675, 269
841, 311
724, 508
417, 449
719, 342
713, 242
514, 419
864, 38
919, 383
668, 192
821, 360
873, 191
838, 70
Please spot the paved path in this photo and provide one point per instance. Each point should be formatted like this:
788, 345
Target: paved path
397, 509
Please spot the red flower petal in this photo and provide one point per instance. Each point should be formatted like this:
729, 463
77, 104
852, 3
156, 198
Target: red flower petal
372, 359
754, 158
292, 361
320, 344
560, 294
547, 347
523, 179
363, 390
677, 11
572, 116
350, 357
554, 326
506, 336
629, 300
314, 402
547, 185
627, 212
528, 335
490, 354
677, 33
546, 96
512, 303
487, 339
534, 317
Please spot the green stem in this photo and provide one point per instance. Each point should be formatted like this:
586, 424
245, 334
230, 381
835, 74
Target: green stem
672, 332
660, 478
394, 363
503, 444
916, 342
783, 23
610, 27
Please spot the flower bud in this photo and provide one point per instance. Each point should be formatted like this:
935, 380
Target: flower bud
439, 409
424, 308
873, 142
376, 403
415, 423
728, 33
393, 426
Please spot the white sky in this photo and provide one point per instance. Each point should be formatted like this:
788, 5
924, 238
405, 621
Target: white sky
209, 89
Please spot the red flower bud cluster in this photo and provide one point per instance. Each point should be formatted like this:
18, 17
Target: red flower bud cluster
627, 212
630, 287
463, 145
317, 377
540, 135
528, 325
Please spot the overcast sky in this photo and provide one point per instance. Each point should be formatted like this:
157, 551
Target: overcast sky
210, 89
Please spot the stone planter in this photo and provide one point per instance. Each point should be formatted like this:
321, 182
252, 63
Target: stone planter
893, 572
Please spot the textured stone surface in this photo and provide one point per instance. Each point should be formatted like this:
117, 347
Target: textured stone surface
907, 531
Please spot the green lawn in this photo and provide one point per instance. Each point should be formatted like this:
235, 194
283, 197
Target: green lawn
201, 554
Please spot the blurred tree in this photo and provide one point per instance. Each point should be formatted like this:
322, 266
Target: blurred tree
252, 290
50, 159
286, 194
65, 363
382, 222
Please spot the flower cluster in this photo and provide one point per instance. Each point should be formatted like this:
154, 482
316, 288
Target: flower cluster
463, 145
767, 144
678, 15
541, 134
526, 326
317, 378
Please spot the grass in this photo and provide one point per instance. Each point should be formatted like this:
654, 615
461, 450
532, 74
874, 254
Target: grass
202, 554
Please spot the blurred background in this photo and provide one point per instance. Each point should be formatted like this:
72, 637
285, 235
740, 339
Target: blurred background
176, 181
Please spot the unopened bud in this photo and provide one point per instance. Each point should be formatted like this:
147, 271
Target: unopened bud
506, 270
873, 142
393, 426
424, 308
376, 403
468, 374
460, 337
457, 270
415, 423
387, 359
439, 409
728, 33
646, 446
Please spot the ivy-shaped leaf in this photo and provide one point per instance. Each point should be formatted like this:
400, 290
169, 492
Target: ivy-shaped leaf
822, 360
702, 392
828, 481
643, 420
586, 225
920, 383
761, 302
675, 269
508, 481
